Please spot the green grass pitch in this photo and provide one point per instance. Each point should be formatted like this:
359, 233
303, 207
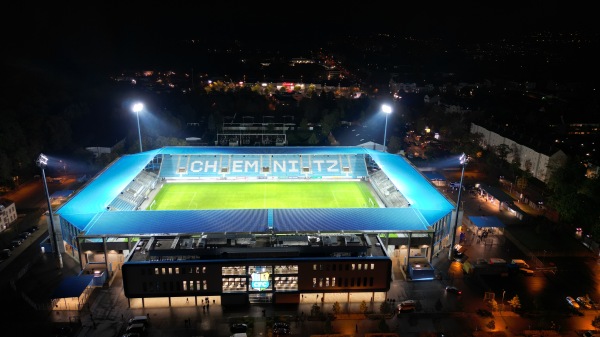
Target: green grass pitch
262, 195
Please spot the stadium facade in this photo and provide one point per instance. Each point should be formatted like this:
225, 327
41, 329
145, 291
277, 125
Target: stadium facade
255, 255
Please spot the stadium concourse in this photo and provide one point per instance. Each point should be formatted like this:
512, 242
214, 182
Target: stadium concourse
275, 254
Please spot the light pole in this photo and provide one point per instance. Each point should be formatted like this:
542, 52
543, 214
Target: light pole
137, 107
42, 162
463, 161
387, 110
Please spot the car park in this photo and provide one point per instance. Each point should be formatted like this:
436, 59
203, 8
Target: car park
572, 302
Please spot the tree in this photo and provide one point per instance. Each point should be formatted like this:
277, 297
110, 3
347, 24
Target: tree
363, 307
315, 310
336, 308
596, 322
515, 303
502, 151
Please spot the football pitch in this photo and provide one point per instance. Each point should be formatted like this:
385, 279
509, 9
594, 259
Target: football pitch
263, 195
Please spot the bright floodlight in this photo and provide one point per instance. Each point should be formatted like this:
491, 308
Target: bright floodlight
42, 161
137, 107
388, 110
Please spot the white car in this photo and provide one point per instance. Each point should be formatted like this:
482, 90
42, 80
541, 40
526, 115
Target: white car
572, 302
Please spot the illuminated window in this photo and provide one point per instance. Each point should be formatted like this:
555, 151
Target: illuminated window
372, 266
170, 271
156, 271
203, 270
198, 285
353, 266
320, 282
314, 282
204, 287
164, 271
333, 281
359, 266
197, 270
314, 267
366, 266
185, 285
327, 281
176, 270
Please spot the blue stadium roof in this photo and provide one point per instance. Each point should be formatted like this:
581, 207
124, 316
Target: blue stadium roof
87, 210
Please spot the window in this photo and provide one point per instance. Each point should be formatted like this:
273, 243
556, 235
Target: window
204, 287
327, 281
156, 271
314, 267
372, 266
353, 266
359, 266
197, 270
203, 270
176, 270
320, 282
198, 285
185, 286
333, 281
314, 282
170, 271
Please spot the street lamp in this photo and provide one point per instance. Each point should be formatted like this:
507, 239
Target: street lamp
42, 162
388, 110
463, 162
137, 107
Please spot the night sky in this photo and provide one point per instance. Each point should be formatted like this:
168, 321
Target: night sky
103, 32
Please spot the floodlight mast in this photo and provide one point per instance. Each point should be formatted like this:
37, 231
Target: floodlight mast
42, 162
463, 162
387, 110
137, 107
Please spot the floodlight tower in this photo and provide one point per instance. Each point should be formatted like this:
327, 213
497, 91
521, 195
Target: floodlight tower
137, 107
463, 162
42, 162
387, 110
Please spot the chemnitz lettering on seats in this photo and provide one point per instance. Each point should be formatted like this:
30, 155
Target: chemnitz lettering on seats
241, 166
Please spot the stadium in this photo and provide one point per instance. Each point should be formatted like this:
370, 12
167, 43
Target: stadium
255, 224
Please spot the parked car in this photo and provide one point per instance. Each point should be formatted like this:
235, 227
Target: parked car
33, 229
453, 290
281, 328
583, 302
526, 271
572, 302
407, 306
15, 243
238, 327
23, 235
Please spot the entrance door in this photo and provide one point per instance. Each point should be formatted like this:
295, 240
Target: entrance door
259, 298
